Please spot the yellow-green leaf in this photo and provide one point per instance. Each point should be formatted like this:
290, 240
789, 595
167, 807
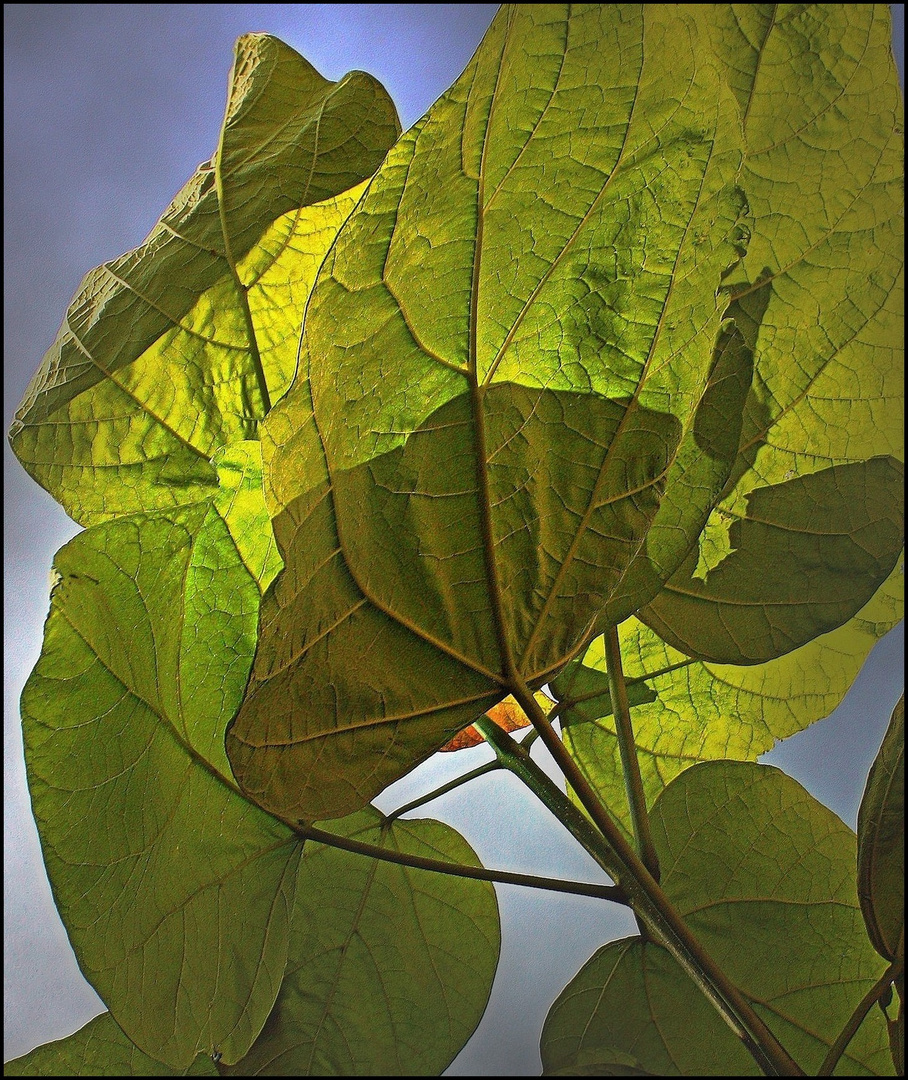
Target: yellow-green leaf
175, 890
502, 353
764, 876
389, 967
820, 289
241, 503
98, 1049
697, 710
178, 348
881, 843
695, 480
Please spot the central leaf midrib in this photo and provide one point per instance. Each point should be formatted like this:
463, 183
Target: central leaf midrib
594, 495
241, 289
480, 450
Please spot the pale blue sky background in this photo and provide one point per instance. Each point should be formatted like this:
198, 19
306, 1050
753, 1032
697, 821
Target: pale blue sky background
109, 108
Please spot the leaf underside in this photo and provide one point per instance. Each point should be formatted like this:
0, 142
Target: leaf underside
757, 868
881, 843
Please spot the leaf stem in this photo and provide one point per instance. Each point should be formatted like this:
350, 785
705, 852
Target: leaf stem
480, 873
490, 766
864, 1006
515, 758
648, 900
628, 749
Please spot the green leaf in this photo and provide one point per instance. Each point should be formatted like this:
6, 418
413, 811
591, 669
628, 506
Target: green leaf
175, 890
807, 556
389, 968
610, 1063
493, 385
820, 291
881, 843
241, 503
177, 349
764, 877
699, 711
897, 1032
98, 1049
632, 998
695, 480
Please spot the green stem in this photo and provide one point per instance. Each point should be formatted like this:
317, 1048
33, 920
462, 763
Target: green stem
648, 900
627, 746
491, 766
864, 1006
480, 873
514, 757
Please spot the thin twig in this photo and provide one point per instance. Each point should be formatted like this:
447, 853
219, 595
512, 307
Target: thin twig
480, 873
490, 766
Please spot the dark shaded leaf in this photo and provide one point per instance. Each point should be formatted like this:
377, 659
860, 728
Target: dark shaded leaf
881, 843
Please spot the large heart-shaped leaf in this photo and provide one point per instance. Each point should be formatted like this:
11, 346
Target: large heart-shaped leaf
820, 295
178, 348
881, 842
764, 876
389, 968
502, 354
686, 711
98, 1049
175, 890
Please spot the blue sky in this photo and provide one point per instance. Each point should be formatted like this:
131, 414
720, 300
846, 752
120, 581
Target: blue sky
109, 108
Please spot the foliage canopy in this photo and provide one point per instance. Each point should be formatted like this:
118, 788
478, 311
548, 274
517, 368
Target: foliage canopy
587, 386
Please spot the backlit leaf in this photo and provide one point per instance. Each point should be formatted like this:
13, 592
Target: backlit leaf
175, 890
807, 556
501, 356
177, 349
631, 997
820, 290
389, 967
764, 877
881, 843
698, 711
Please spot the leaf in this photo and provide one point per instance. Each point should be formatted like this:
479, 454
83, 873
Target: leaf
494, 384
611, 1063
98, 1049
698, 711
241, 503
631, 997
807, 556
763, 875
820, 292
390, 968
700, 471
177, 349
881, 843
175, 890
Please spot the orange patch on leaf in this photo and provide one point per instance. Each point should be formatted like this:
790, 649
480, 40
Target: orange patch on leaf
507, 714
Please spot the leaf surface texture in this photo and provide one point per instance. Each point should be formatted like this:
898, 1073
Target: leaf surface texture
764, 877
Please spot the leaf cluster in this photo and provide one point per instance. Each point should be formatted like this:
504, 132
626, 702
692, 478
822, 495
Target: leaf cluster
580, 397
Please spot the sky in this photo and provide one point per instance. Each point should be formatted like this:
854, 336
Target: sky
109, 108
